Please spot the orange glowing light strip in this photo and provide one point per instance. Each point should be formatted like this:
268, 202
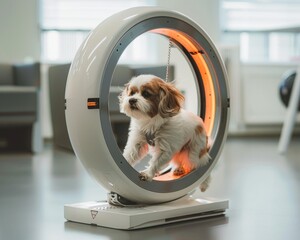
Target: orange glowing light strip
210, 97
92, 104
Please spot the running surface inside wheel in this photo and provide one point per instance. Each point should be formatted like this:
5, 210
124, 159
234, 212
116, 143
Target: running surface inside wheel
90, 78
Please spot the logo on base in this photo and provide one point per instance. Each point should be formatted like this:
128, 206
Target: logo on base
94, 213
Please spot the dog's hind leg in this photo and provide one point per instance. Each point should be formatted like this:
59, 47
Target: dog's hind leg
179, 161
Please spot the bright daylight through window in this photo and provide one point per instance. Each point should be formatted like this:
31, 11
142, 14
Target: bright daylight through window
266, 30
66, 23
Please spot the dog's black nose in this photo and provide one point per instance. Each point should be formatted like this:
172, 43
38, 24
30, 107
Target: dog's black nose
132, 101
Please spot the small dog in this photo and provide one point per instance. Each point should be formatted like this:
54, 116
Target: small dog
160, 124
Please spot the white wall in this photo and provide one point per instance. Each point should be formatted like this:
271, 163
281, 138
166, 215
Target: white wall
20, 42
19, 31
261, 101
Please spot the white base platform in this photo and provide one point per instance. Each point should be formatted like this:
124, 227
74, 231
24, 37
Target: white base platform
103, 214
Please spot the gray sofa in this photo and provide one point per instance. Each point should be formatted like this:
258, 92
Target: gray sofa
19, 107
122, 74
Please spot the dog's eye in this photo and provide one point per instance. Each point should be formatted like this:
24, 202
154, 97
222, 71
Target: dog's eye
146, 94
131, 93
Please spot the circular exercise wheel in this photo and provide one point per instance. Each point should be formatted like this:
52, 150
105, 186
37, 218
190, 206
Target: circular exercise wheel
87, 105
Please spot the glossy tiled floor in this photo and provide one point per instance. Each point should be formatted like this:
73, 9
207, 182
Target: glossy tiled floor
263, 188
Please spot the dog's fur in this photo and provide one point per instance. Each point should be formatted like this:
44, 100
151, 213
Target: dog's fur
160, 124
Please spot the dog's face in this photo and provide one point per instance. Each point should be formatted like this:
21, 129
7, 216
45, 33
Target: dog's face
146, 96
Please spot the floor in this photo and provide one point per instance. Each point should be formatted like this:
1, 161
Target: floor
263, 188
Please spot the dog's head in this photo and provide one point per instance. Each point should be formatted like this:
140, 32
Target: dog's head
146, 96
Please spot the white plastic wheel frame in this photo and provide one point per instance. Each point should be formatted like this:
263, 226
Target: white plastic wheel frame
87, 105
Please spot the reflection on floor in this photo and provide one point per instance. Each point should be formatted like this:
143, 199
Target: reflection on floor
263, 188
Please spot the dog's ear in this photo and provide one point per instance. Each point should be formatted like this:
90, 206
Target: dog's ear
171, 100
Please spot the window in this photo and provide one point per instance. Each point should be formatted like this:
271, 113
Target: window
266, 30
66, 23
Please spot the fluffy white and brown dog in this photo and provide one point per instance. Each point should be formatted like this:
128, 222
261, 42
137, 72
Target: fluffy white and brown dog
160, 126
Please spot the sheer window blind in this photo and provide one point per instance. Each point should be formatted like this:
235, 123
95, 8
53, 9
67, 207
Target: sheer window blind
260, 15
82, 14
255, 25
66, 23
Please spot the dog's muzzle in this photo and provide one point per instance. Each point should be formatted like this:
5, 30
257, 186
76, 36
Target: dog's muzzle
132, 103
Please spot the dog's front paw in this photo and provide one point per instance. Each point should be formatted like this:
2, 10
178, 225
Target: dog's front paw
143, 176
